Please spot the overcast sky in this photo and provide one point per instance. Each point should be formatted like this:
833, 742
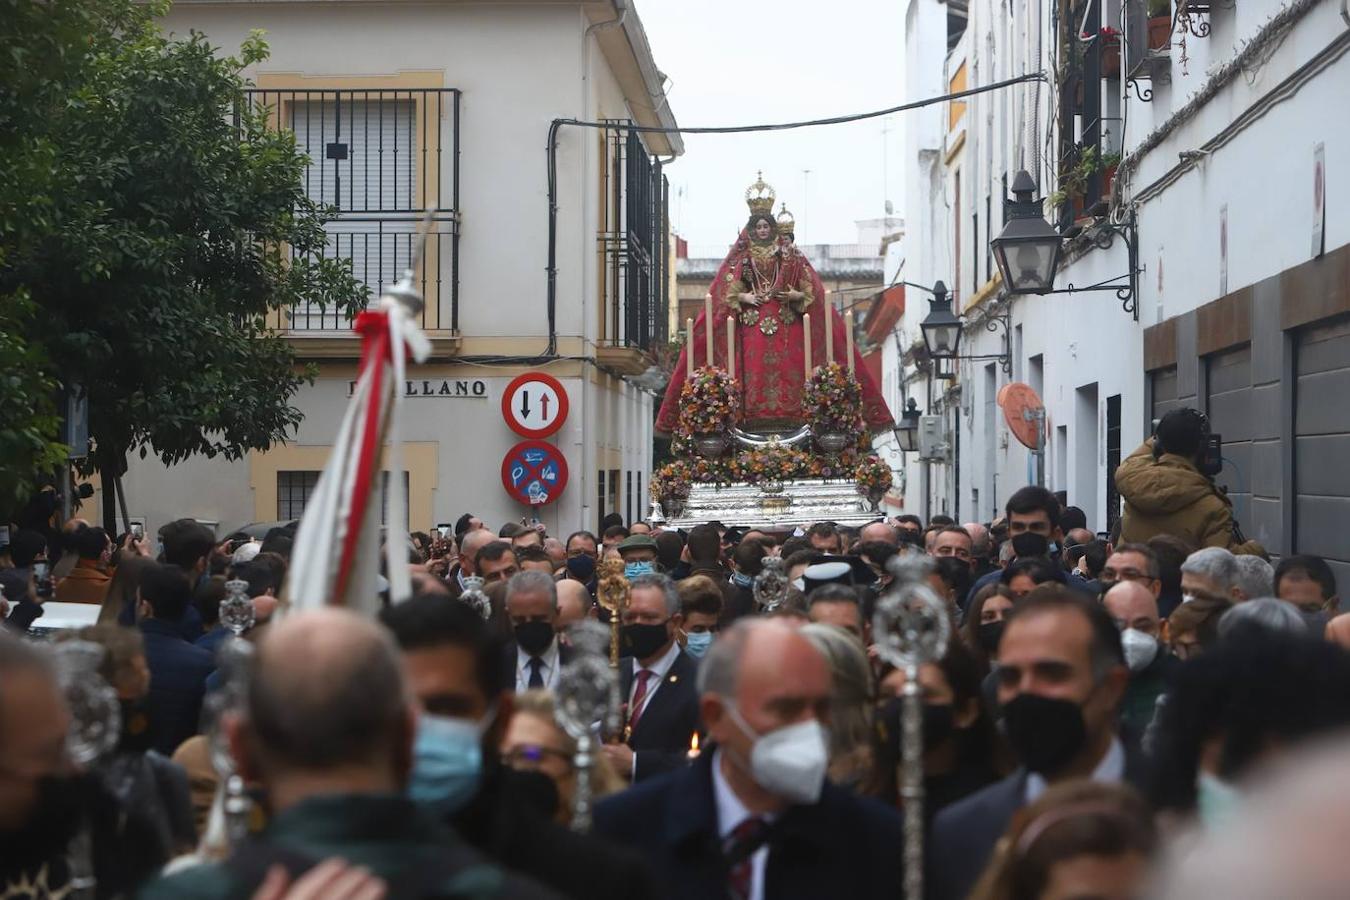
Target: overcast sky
749, 62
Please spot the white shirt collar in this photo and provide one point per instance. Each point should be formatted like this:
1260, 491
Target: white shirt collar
660, 667
730, 810
549, 656
1110, 770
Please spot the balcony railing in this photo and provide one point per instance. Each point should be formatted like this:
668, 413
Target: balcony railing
635, 290
380, 159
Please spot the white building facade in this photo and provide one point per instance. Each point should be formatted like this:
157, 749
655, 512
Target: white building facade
405, 107
1228, 146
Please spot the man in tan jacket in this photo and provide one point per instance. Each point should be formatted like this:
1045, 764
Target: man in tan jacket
88, 581
1165, 491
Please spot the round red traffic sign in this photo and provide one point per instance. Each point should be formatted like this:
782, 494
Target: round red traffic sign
534, 473
534, 405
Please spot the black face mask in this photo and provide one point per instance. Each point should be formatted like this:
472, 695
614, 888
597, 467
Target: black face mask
1045, 733
1029, 543
51, 825
989, 634
534, 637
581, 567
642, 641
938, 725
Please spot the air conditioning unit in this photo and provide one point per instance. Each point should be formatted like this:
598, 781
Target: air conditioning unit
933, 443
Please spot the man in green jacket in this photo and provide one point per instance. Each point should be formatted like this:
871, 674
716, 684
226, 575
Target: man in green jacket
1165, 491
327, 734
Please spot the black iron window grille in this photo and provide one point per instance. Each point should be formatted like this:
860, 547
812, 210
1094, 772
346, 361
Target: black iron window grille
632, 238
380, 158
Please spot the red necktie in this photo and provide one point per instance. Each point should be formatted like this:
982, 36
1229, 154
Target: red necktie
639, 696
740, 847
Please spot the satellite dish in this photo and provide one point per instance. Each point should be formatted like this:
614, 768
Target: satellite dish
1023, 411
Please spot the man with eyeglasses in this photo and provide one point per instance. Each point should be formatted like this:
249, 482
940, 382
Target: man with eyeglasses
1132, 562
1061, 677
453, 666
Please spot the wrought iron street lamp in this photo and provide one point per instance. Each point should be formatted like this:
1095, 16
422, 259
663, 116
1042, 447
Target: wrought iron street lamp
1027, 249
907, 429
941, 329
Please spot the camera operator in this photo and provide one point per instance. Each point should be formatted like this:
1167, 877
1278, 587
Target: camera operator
1168, 487
29, 584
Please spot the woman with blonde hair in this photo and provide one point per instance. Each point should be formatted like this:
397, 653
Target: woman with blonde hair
1079, 839
852, 762
535, 742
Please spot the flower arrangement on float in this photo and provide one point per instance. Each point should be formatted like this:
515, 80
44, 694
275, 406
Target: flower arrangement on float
832, 403
709, 402
760, 465
673, 481
874, 478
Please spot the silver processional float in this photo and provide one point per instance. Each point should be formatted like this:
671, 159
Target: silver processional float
911, 627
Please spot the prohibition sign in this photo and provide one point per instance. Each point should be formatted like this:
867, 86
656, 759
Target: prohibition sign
534, 473
534, 405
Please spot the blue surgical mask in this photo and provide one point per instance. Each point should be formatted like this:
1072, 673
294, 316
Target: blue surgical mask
697, 643
741, 580
447, 761
634, 569
1216, 801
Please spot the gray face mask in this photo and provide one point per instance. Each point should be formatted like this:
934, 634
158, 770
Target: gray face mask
1316, 621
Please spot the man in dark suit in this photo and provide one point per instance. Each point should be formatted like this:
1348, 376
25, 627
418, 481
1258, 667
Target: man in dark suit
451, 661
469, 545
178, 669
754, 817
656, 684
1061, 678
535, 658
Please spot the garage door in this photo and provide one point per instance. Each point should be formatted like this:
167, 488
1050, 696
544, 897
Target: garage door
1229, 380
1163, 390
1322, 446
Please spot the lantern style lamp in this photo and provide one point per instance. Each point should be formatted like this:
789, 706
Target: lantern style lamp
1027, 249
907, 429
941, 329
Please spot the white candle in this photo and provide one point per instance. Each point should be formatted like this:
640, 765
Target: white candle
708, 326
689, 347
806, 333
731, 346
829, 329
848, 338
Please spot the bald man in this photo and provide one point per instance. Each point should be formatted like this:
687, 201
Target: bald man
761, 683
574, 603
328, 732
879, 531
1134, 609
469, 545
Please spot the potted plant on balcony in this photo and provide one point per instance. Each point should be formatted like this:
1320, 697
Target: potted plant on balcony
1110, 50
1159, 23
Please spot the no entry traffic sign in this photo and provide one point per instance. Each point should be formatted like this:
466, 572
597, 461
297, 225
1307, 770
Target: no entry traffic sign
534, 405
534, 473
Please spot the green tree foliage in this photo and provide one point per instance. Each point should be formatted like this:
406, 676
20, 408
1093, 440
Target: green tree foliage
151, 226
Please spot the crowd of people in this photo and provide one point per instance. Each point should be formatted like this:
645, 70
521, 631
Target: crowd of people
1102, 722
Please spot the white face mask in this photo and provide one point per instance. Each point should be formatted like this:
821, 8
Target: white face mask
1140, 649
789, 762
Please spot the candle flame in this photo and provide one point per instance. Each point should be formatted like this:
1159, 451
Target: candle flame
693, 743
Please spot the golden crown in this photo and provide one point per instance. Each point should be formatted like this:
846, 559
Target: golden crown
759, 197
786, 223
